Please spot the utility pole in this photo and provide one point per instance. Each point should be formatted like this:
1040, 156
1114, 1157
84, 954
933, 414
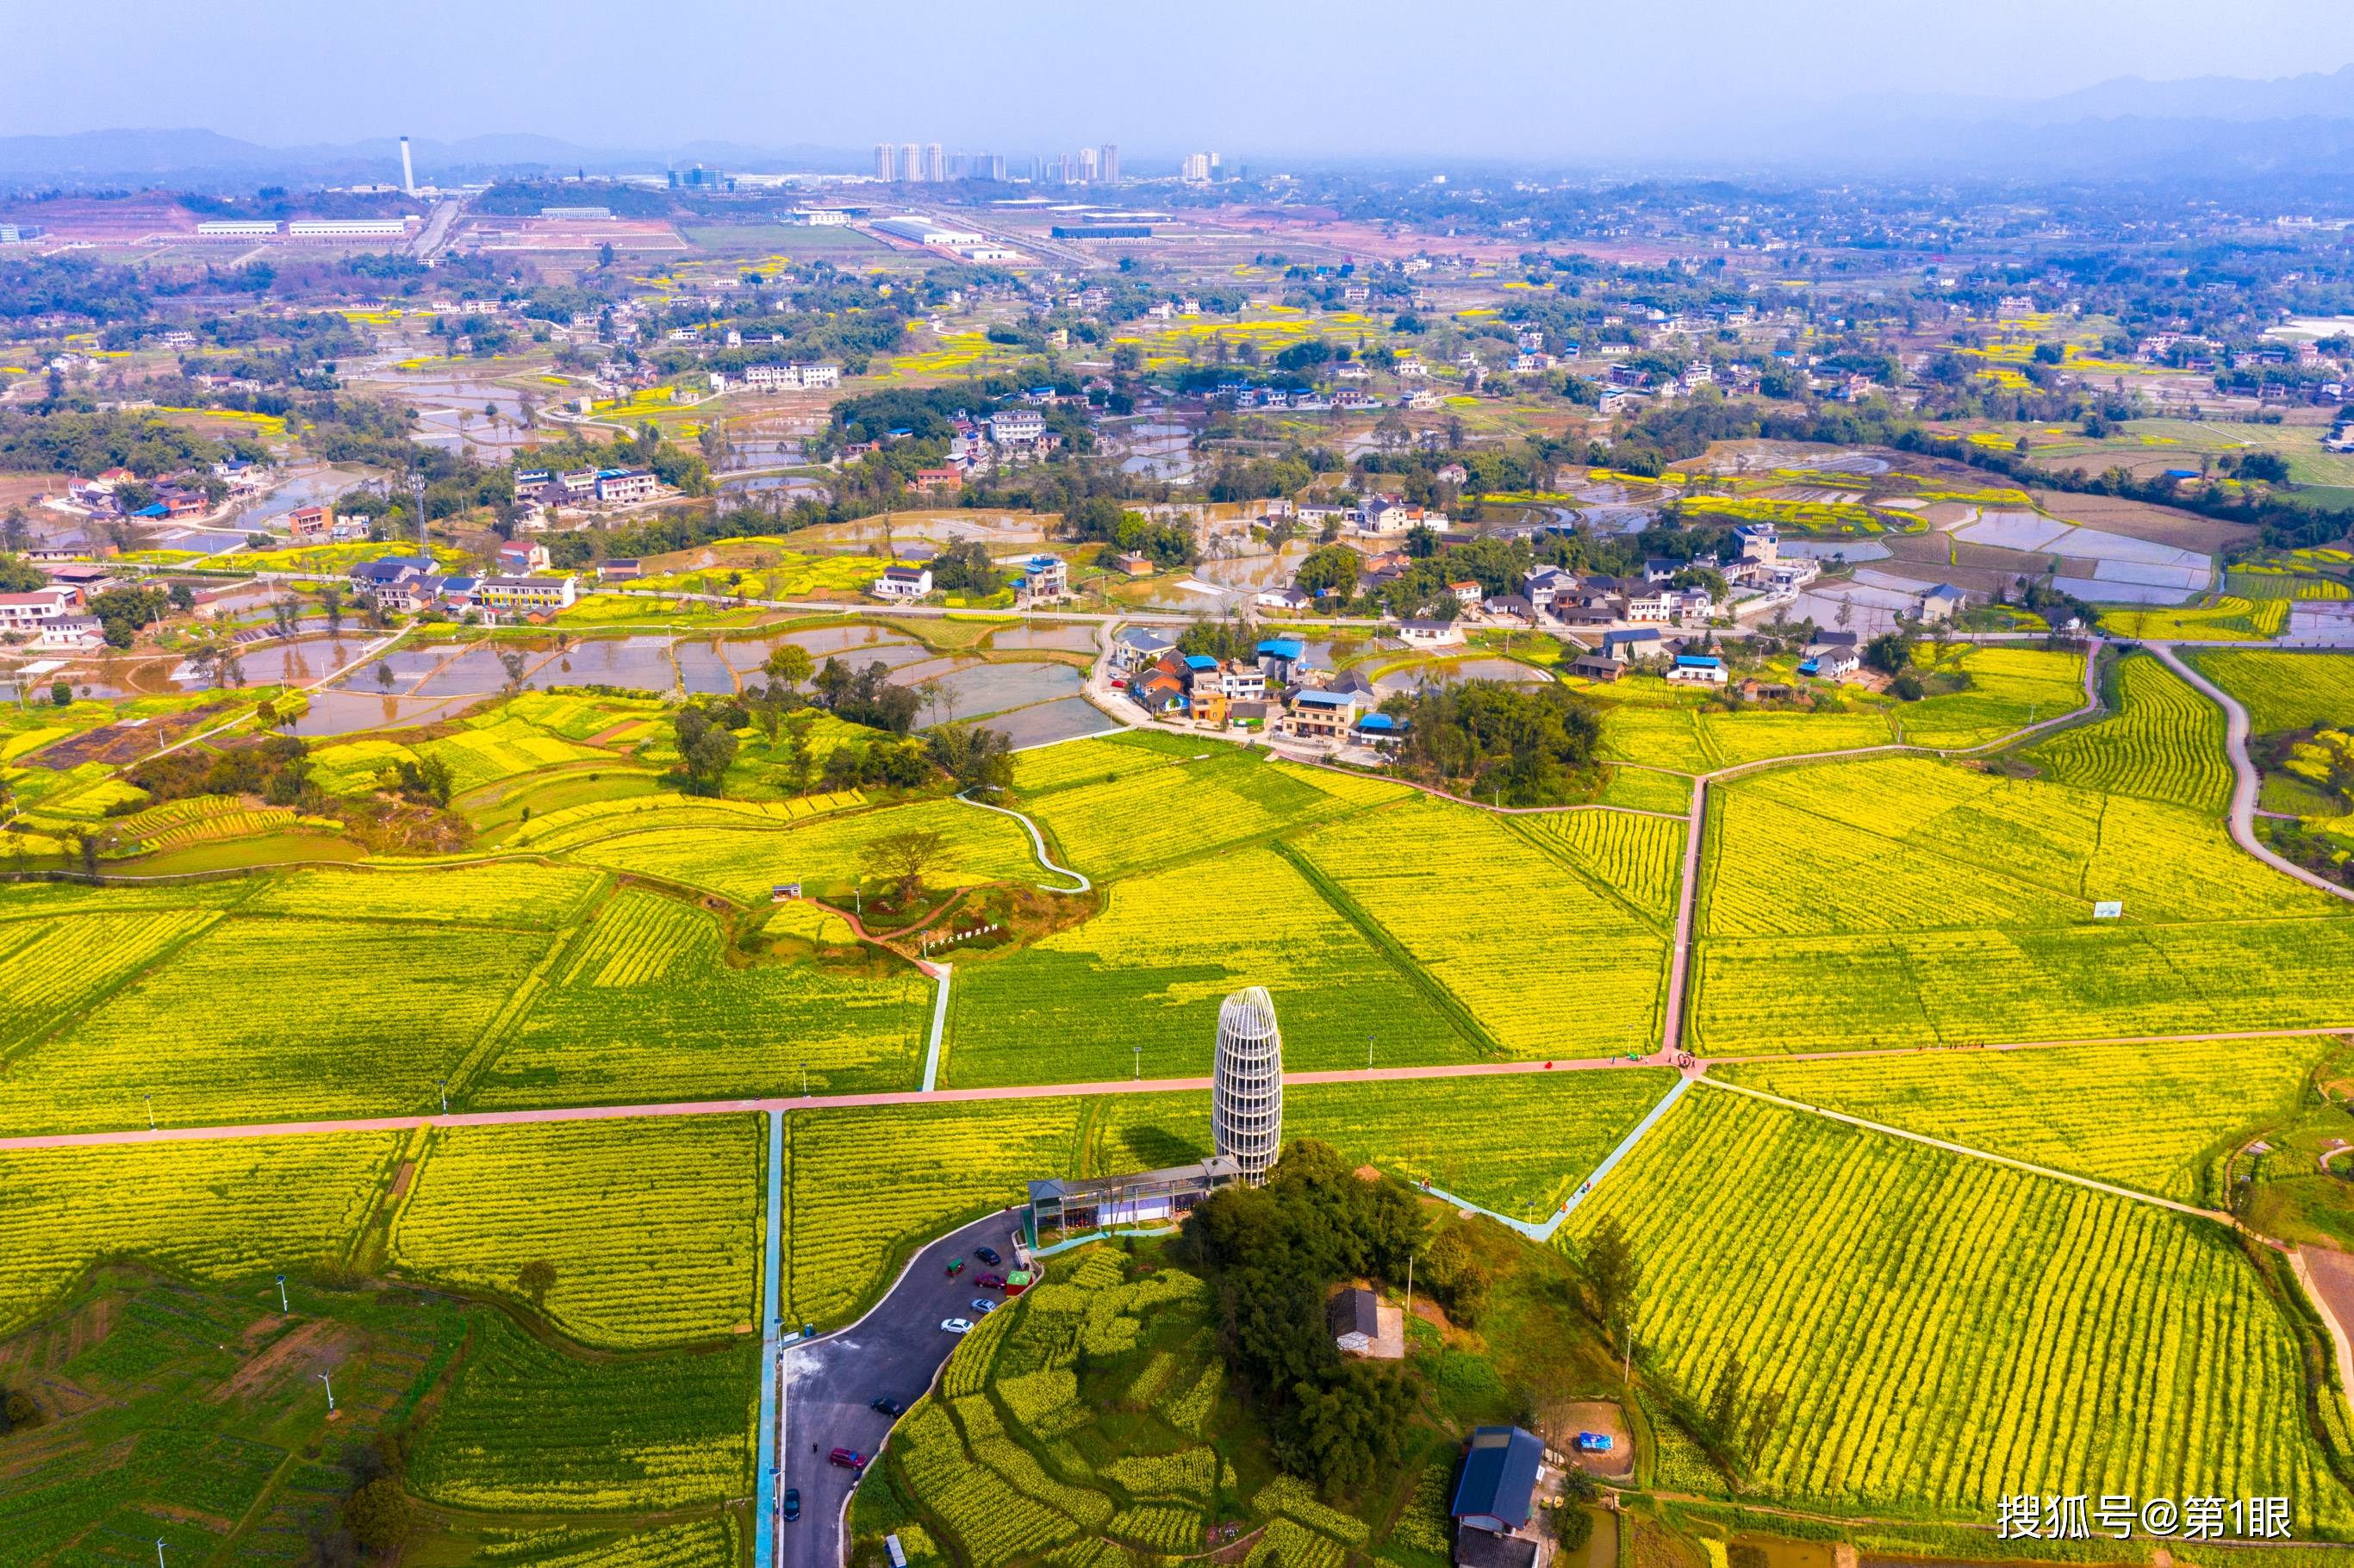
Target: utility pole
445, 1094
417, 494
804, 1080
151, 1113
1409, 1286
331, 1393
1138, 1049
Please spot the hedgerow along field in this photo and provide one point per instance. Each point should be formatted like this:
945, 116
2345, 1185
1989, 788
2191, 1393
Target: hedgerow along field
1944, 1331
1902, 902
2156, 1117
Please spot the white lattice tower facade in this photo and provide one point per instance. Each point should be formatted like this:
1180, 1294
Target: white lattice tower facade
1247, 1086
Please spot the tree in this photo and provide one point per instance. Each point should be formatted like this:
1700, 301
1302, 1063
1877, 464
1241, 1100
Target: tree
1332, 568
512, 661
976, 758
1614, 1275
788, 665
330, 601
536, 1279
1891, 652
903, 857
705, 749
378, 1514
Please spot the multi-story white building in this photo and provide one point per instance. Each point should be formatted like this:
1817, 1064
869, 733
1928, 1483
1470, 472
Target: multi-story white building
1016, 425
1247, 1084
528, 593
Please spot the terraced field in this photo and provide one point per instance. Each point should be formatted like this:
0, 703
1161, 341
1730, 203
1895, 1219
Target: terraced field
1151, 969
2153, 1117
270, 1018
1495, 922
866, 1183
213, 1211
651, 1226
1904, 901
2166, 743
1944, 1331
1135, 823
2284, 691
743, 861
646, 1006
1639, 857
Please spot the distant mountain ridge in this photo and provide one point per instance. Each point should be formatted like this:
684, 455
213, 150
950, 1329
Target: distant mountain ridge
2204, 127
94, 156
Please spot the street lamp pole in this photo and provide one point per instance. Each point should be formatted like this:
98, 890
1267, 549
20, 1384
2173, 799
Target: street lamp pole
283, 1306
151, 1113
331, 1392
444, 1084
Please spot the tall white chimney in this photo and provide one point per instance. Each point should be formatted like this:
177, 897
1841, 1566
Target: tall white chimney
407, 169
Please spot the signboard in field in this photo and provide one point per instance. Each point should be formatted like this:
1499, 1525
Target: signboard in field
2108, 909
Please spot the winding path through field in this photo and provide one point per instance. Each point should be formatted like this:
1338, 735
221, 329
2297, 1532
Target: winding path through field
2244, 779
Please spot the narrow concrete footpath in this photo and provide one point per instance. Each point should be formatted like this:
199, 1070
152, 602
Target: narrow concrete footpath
765, 1503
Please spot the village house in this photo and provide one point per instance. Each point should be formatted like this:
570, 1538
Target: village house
23, 612
526, 594
1701, 669
616, 487
620, 569
1424, 632
903, 583
518, 557
1135, 647
1325, 715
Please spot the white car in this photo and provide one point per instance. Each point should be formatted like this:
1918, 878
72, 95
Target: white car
956, 1325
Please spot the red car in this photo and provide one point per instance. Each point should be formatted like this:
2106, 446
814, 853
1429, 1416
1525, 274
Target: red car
848, 1458
992, 1282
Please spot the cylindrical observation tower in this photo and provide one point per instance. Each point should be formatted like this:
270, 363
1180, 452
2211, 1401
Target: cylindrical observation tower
1247, 1088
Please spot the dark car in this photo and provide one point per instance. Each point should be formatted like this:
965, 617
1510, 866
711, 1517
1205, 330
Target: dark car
848, 1458
992, 1282
890, 1407
987, 1255
792, 1502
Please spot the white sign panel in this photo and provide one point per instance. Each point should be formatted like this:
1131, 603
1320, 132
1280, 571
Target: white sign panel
2109, 910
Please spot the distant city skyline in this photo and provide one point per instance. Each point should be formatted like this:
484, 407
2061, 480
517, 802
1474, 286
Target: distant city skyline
1479, 81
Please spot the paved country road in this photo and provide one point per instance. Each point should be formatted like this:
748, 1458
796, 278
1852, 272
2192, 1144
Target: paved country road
1048, 1091
892, 1353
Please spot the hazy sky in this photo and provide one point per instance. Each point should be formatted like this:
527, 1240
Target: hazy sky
1257, 77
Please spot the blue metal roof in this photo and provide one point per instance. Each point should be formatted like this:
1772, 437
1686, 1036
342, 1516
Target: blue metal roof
1500, 1477
1698, 662
1282, 647
1316, 699
1200, 661
1381, 722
